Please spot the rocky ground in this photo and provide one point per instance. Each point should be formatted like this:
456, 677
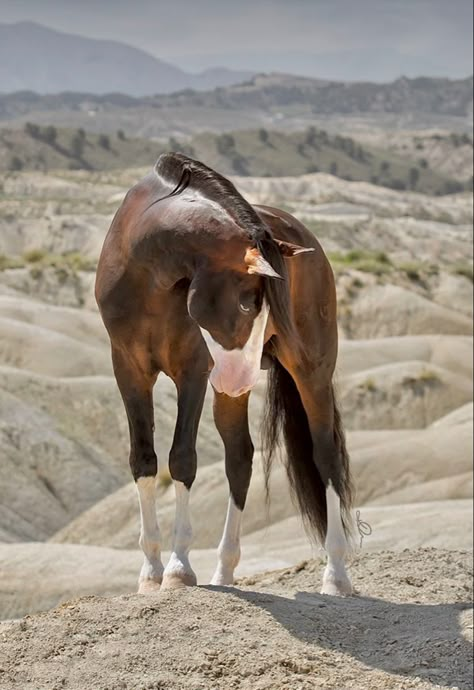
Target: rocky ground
408, 626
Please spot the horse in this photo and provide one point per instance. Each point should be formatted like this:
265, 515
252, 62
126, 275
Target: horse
195, 282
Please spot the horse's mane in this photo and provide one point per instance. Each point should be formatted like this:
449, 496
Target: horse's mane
181, 172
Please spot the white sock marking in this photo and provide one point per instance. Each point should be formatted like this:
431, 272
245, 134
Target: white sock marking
335, 579
150, 538
236, 371
229, 548
178, 565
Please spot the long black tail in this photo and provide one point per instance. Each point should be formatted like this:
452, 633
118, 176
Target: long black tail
285, 415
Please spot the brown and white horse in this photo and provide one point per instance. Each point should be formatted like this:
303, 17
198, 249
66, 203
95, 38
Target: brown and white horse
195, 282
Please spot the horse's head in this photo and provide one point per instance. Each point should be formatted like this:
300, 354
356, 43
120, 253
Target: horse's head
227, 299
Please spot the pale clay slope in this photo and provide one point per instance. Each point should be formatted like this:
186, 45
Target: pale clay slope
69, 455
80, 409
405, 464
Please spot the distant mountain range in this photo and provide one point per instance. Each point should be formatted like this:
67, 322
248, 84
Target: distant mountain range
36, 58
277, 101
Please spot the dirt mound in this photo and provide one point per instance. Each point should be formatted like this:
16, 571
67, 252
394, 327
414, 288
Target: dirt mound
409, 627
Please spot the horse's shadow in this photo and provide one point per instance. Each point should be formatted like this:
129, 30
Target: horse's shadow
417, 640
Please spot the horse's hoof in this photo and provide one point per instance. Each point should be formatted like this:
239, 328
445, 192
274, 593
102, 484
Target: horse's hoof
149, 586
222, 580
178, 580
337, 587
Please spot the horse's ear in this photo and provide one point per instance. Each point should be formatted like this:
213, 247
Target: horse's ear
257, 264
288, 250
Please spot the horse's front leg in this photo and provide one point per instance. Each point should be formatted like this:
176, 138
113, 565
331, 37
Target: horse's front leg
231, 418
136, 389
182, 463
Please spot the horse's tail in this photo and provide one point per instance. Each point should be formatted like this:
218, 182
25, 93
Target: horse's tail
284, 413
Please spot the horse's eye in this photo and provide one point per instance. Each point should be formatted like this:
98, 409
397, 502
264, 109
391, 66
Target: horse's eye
245, 309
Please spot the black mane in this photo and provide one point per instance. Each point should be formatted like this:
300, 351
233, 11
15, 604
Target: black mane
181, 172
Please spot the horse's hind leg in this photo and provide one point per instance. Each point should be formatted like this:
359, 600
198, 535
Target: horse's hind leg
330, 458
182, 463
136, 389
231, 418
307, 392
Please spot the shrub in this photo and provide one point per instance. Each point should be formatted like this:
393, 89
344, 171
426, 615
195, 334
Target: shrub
33, 256
104, 142
465, 270
15, 164
414, 176
77, 145
32, 130
49, 134
412, 271
225, 144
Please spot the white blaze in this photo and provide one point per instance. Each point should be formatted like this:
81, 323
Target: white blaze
236, 371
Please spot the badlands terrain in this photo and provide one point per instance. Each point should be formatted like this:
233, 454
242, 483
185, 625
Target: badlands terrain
68, 511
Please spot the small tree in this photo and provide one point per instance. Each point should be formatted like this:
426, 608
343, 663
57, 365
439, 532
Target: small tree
121, 135
414, 176
15, 163
225, 144
263, 135
174, 144
77, 145
384, 167
32, 130
310, 136
333, 168
50, 135
104, 142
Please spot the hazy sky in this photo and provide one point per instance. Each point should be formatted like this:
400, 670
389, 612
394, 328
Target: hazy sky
341, 39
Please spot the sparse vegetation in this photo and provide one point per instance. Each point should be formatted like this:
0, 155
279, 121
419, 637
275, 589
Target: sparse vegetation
412, 270
368, 385
424, 377
104, 142
249, 152
15, 164
362, 260
39, 259
465, 270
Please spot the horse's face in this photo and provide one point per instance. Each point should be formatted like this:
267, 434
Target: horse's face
232, 314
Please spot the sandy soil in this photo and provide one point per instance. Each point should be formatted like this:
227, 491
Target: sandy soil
409, 626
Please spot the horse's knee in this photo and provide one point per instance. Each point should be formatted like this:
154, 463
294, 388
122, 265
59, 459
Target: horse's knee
143, 463
183, 464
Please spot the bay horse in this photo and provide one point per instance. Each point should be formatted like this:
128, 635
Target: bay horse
195, 282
